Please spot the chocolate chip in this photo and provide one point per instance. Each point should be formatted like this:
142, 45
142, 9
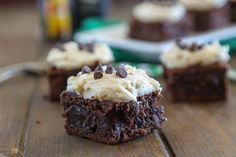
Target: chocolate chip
80, 46
86, 70
60, 46
97, 75
121, 72
90, 47
110, 70
99, 68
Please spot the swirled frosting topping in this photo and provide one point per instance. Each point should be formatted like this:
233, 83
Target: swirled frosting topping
124, 84
73, 55
159, 11
181, 55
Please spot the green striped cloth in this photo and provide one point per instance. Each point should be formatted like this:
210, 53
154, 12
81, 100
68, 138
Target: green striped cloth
122, 56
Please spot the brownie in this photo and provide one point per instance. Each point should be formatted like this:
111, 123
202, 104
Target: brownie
159, 31
197, 83
210, 19
233, 10
111, 122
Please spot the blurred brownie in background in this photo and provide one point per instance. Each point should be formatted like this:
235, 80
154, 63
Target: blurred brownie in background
208, 14
68, 59
232, 4
159, 20
195, 72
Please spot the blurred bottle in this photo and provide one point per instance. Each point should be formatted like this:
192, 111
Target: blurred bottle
56, 19
82, 9
61, 18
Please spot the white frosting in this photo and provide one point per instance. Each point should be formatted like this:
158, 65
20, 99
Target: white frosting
73, 57
212, 53
203, 5
154, 12
113, 88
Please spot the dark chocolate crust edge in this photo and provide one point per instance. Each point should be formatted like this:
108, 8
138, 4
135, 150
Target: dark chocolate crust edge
111, 122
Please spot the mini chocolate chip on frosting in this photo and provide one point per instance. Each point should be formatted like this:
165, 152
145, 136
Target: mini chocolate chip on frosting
86, 70
75, 55
191, 47
108, 86
121, 72
99, 68
110, 70
97, 75
182, 56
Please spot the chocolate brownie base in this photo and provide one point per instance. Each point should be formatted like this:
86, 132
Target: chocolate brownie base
58, 80
213, 19
197, 83
159, 31
111, 122
233, 11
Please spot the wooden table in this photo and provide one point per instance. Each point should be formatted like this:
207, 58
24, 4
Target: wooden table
31, 126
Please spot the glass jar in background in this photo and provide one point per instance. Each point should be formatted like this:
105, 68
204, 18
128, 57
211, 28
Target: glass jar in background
60, 18
56, 20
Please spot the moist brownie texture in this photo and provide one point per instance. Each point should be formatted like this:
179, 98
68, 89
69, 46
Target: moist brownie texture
213, 19
160, 31
112, 105
196, 72
159, 20
67, 59
197, 83
207, 14
112, 122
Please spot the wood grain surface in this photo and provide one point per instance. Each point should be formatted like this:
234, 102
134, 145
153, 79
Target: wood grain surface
31, 126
